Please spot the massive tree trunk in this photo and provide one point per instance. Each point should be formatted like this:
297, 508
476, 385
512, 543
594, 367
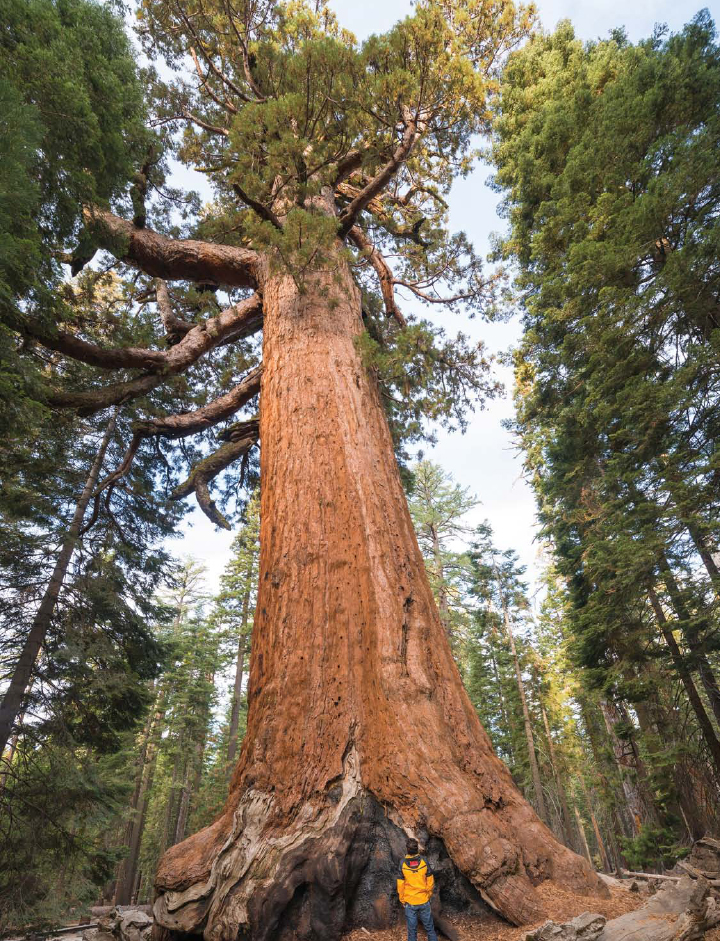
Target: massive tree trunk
359, 729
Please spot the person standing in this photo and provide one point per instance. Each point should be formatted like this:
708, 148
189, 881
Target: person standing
415, 886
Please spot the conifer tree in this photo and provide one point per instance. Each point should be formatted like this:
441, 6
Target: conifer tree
438, 508
234, 610
326, 157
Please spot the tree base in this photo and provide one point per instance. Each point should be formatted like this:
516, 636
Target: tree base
259, 875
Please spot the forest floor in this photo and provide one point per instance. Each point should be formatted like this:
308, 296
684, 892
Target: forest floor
560, 905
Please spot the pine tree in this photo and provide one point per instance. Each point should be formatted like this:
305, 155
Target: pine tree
438, 508
235, 610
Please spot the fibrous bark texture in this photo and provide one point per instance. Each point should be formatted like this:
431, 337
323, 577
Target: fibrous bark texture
359, 729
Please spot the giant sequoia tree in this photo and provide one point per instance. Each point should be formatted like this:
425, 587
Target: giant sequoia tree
328, 159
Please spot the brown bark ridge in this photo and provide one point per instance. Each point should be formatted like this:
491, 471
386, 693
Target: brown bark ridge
359, 729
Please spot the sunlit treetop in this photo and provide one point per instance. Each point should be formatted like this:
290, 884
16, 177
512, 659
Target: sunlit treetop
281, 106
316, 147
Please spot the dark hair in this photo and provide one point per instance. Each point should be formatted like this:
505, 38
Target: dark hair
411, 847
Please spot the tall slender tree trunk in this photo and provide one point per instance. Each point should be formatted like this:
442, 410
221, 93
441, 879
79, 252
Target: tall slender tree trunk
174, 797
140, 763
611, 781
658, 732
681, 668
697, 532
136, 825
239, 675
7, 759
184, 806
705, 671
527, 724
443, 606
503, 703
16, 691
631, 767
560, 787
596, 828
359, 729
583, 837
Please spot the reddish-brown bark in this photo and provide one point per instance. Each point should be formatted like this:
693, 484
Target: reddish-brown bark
163, 257
359, 728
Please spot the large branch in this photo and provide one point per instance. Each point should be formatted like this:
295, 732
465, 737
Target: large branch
190, 423
382, 269
180, 426
174, 325
95, 400
383, 215
245, 436
377, 184
172, 259
351, 162
235, 322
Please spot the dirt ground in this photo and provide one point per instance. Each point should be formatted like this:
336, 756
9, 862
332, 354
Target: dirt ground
559, 904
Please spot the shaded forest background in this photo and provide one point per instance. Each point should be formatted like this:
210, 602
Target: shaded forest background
600, 692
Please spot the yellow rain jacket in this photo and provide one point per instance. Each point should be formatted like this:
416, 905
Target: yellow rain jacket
415, 882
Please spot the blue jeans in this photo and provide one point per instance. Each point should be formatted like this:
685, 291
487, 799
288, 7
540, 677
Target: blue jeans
424, 913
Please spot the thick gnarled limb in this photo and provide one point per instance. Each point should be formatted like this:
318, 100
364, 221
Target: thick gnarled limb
243, 319
244, 437
172, 259
207, 416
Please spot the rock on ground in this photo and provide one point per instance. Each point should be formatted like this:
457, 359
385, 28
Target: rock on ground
585, 927
126, 924
680, 911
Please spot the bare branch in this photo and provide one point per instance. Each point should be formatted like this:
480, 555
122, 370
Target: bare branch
123, 469
210, 128
413, 129
201, 475
262, 210
382, 269
204, 85
180, 426
435, 299
173, 259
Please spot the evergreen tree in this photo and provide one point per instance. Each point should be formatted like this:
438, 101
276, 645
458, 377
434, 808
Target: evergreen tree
234, 613
439, 507
607, 154
327, 156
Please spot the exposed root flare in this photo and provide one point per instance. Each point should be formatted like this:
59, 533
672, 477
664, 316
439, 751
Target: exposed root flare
334, 867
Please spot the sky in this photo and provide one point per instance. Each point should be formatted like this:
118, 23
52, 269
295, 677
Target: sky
485, 458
